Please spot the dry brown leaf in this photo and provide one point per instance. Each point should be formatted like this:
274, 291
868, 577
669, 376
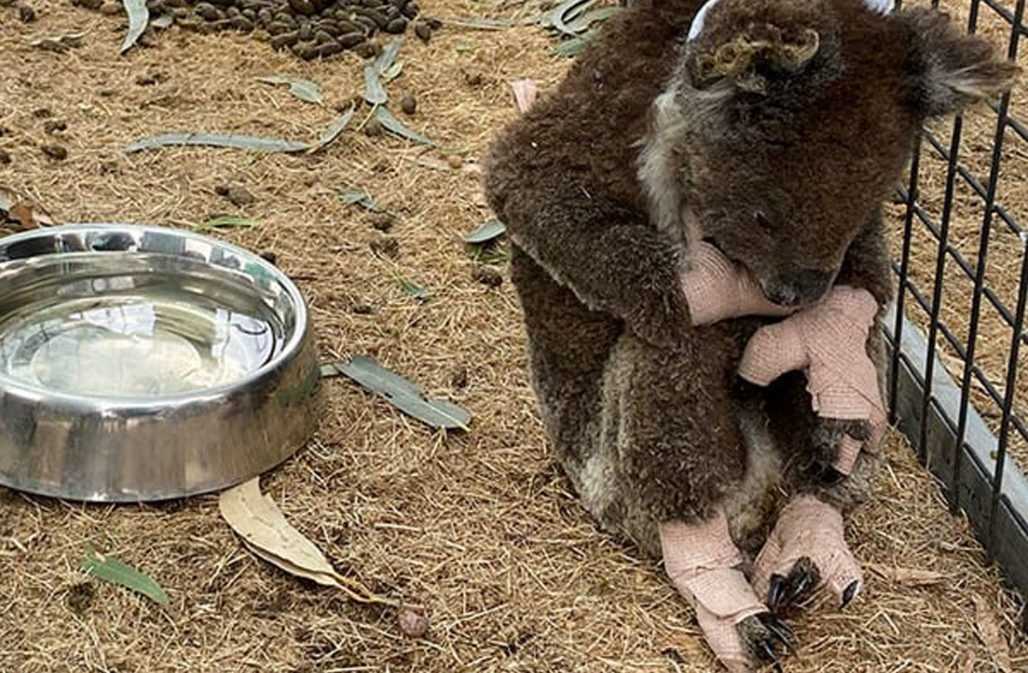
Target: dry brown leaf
991, 635
914, 577
265, 531
525, 93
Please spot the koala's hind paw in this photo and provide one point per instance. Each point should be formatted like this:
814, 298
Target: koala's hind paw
837, 444
806, 551
766, 637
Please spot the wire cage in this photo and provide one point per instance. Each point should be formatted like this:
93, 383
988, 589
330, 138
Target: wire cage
957, 327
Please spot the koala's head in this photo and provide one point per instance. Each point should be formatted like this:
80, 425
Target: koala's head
786, 123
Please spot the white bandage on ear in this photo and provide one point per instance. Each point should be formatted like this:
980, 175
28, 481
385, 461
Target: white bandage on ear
882, 7
701, 16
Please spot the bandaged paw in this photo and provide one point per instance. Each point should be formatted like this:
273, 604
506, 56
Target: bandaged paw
828, 342
703, 563
717, 289
805, 552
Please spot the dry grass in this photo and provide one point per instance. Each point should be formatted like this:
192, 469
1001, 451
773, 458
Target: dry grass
479, 527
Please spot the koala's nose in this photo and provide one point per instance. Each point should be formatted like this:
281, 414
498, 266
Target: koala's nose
800, 287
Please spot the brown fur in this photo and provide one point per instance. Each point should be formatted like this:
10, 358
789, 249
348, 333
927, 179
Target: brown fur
785, 154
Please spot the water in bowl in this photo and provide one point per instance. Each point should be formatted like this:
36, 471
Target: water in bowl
138, 338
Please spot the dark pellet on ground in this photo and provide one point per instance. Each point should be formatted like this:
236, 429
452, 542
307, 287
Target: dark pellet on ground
373, 128
409, 104
459, 379
55, 152
362, 309
26, 13
55, 126
422, 30
269, 257
382, 221
41, 113
5, 158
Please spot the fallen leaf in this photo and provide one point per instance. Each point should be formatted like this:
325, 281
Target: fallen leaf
22, 214
217, 140
394, 125
114, 571
587, 19
333, 131
163, 21
304, 89
6, 199
227, 222
265, 531
482, 24
991, 635
488, 231
60, 43
374, 92
414, 290
138, 16
403, 394
568, 11
525, 93
26, 214
574, 47
393, 72
355, 196
914, 577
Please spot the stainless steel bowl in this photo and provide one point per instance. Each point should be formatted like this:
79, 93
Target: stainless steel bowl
142, 364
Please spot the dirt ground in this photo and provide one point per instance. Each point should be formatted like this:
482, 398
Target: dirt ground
479, 527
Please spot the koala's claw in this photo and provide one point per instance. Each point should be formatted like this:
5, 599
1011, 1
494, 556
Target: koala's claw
766, 637
786, 591
850, 593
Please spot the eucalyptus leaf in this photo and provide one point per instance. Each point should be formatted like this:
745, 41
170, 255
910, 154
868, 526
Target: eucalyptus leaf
138, 16
488, 231
333, 130
304, 89
404, 395
356, 196
598, 15
574, 47
482, 24
394, 125
568, 11
239, 142
414, 290
392, 72
374, 92
228, 222
114, 571
385, 60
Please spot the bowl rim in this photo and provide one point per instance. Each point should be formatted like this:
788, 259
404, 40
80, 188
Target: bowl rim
290, 351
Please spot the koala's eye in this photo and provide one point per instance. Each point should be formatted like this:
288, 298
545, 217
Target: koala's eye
761, 219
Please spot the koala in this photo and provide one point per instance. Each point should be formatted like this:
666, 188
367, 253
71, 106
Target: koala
770, 131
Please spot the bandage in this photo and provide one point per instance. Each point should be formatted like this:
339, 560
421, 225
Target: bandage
828, 342
717, 289
808, 527
702, 562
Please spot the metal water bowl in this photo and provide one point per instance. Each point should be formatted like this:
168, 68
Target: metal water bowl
142, 363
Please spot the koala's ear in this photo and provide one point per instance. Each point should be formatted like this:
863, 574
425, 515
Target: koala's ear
952, 70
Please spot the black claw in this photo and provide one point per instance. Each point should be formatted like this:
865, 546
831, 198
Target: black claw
775, 592
850, 592
778, 630
824, 474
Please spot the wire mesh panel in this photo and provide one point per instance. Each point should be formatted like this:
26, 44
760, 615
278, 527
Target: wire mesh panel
962, 267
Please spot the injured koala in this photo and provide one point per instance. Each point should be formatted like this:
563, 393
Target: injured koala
697, 243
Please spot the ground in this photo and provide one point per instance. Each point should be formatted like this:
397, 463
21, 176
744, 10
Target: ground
479, 527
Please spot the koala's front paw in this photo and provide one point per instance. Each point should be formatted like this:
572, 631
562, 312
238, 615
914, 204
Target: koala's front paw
766, 637
836, 444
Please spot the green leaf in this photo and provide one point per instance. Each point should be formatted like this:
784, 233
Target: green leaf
568, 11
357, 196
304, 89
114, 571
333, 130
403, 394
598, 15
488, 231
374, 91
394, 125
574, 47
392, 72
238, 142
138, 16
416, 291
227, 222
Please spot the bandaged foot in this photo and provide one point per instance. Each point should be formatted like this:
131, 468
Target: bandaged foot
805, 552
717, 289
828, 341
703, 563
